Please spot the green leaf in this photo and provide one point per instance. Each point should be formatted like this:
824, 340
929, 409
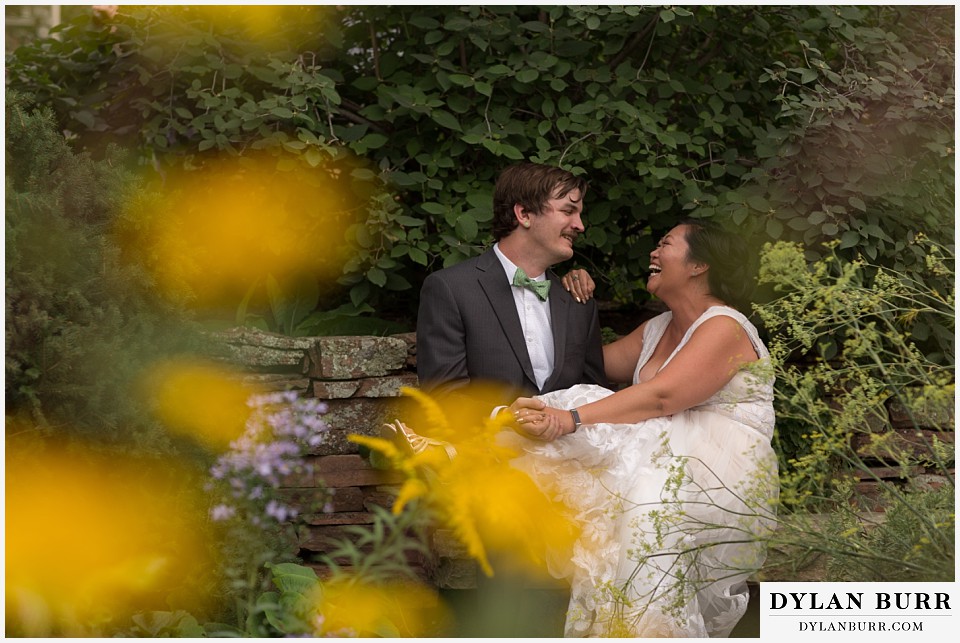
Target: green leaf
479, 198
374, 140
397, 282
360, 293
527, 75
362, 173
291, 577
774, 228
849, 239
241, 314
511, 152
292, 301
418, 256
431, 207
446, 119
474, 138
535, 26
423, 22
462, 80
759, 203
807, 75
466, 228
410, 222
457, 23
85, 118
377, 277
402, 179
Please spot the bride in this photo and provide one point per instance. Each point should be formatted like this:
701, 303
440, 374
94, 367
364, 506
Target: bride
672, 478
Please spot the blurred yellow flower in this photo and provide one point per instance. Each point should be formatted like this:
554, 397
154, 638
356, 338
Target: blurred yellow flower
488, 504
259, 22
204, 401
352, 607
239, 225
93, 537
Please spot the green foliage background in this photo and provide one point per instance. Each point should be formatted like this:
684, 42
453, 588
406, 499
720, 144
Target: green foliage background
797, 123
81, 324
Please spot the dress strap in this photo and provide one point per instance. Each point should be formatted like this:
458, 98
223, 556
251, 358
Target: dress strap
726, 311
652, 333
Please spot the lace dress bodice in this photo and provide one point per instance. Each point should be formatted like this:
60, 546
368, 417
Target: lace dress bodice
748, 397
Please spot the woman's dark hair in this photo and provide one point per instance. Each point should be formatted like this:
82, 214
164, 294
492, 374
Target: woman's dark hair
732, 274
531, 185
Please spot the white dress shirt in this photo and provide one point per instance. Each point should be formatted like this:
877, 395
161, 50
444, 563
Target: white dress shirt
534, 320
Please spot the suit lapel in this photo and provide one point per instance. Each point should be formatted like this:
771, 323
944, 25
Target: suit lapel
499, 293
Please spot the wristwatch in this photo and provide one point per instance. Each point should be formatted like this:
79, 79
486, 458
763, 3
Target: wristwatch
576, 419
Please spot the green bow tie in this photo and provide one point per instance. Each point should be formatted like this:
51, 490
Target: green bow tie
540, 288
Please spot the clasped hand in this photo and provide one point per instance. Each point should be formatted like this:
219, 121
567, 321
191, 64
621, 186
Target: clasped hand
537, 421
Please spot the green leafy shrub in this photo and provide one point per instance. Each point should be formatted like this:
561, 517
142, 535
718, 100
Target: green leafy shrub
798, 123
81, 325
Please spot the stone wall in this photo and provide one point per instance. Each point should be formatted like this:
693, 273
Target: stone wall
360, 378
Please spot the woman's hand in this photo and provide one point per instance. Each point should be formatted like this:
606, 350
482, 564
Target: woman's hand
527, 409
537, 421
580, 284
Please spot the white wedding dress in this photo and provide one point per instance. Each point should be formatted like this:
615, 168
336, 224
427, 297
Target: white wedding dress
672, 509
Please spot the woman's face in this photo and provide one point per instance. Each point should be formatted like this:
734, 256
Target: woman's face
670, 266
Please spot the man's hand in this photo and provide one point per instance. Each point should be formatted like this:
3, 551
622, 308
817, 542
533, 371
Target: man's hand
537, 421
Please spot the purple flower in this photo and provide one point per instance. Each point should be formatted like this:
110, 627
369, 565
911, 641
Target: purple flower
222, 512
279, 512
281, 428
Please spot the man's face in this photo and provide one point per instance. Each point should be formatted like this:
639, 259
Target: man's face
553, 231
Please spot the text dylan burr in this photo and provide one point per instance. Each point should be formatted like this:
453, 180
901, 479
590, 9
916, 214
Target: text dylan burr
860, 600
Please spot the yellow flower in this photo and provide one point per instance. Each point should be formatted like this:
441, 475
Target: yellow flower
488, 504
204, 401
92, 538
352, 607
242, 227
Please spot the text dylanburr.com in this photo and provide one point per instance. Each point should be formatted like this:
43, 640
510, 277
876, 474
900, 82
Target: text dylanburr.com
907, 611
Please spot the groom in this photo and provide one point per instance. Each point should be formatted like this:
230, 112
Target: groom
504, 318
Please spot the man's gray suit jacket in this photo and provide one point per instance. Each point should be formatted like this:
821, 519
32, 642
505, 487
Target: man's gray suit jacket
468, 330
